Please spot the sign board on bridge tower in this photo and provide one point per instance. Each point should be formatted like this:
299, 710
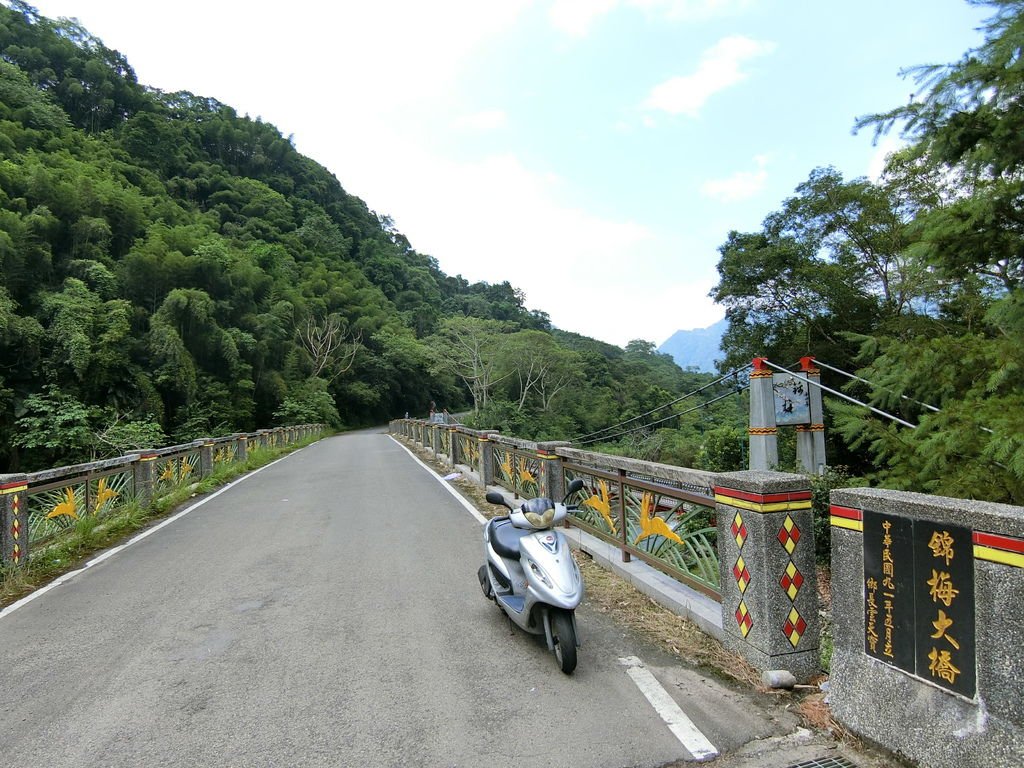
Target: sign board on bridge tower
792, 399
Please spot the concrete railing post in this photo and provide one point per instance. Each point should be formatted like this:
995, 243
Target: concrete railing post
486, 469
144, 478
205, 456
435, 439
13, 519
767, 572
241, 447
551, 483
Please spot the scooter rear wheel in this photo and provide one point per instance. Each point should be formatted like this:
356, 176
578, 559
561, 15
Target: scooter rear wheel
564, 638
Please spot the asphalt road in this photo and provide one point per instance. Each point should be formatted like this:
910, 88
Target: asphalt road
324, 611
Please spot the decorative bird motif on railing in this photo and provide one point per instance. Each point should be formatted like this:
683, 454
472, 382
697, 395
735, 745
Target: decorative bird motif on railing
651, 524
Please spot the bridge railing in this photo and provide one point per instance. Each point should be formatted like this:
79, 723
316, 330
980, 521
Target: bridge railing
743, 539
661, 514
515, 465
38, 507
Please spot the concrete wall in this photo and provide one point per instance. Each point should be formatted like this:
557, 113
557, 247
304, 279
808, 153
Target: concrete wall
928, 600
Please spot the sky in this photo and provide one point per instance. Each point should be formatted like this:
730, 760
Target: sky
593, 153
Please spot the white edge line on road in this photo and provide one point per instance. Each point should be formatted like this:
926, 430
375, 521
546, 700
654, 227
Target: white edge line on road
134, 540
462, 499
689, 735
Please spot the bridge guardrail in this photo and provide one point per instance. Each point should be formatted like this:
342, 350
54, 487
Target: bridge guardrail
38, 507
661, 514
643, 508
744, 539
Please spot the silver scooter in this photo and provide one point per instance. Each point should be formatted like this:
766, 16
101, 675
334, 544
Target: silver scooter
529, 571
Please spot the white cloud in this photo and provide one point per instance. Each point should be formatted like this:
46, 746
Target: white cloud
481, 122
576, 17
719, 68
740, 186
692, 9
888, 145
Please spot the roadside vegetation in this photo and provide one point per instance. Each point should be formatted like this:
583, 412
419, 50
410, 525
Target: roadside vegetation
90, 534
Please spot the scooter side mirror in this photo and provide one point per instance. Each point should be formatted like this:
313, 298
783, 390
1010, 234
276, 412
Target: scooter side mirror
494, 497
574, 487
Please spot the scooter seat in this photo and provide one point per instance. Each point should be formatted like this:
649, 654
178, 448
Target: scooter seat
505, 537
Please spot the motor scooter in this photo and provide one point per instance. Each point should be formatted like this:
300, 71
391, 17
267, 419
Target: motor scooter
529, 571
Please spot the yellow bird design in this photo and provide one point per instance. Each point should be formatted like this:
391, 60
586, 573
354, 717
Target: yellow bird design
68, 507
601, 503
506, 467
652, 525
525, 475
103, 495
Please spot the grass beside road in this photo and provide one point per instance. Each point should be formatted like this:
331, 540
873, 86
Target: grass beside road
91, 535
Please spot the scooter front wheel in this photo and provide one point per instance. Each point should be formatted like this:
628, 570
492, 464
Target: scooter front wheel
485, 582
564, 637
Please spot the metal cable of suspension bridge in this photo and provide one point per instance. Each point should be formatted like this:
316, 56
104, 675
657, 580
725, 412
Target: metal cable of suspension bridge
931, 408
660, 407
667, 418
853, 400
877, 386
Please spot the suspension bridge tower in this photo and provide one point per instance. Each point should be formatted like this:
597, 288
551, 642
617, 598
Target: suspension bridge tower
786, 398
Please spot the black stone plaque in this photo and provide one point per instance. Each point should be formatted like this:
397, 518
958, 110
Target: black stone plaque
889, 594
944, 596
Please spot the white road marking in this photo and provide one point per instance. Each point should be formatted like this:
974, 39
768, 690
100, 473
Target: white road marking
148, 532
462, 500
695, 742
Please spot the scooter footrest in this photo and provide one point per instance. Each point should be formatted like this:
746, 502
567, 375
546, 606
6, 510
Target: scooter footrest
514, 602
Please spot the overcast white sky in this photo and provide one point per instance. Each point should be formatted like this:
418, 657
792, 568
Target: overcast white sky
594, 153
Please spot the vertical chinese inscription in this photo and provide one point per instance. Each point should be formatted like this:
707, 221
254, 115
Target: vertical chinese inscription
889, 589
944, 584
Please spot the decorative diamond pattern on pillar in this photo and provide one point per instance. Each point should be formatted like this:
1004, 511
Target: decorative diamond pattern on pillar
743, 619
792, 580
742, 575
16, 528
794, 627
789, 535
739, 530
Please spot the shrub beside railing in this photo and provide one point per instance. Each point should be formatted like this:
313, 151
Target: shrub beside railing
38, 507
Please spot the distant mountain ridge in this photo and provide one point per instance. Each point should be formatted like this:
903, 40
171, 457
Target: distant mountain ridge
697, 348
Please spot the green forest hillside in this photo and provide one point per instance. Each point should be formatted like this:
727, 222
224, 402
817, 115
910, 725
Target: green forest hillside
171, 269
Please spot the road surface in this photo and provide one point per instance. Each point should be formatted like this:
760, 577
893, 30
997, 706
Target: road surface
325, 611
